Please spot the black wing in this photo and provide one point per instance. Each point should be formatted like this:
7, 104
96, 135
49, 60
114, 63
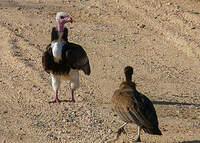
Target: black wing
52, 67
76, 57
47, 59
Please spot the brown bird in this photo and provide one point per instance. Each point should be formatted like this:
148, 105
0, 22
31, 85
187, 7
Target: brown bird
63, 59
134, 107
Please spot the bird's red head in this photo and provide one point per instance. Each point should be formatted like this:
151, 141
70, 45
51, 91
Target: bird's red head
62, 18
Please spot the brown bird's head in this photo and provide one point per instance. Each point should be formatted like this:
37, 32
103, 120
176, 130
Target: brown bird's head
128, 71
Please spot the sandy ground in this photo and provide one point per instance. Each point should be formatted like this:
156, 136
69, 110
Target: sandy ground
159, 38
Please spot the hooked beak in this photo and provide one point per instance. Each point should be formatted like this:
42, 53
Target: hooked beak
66, 19
70, 19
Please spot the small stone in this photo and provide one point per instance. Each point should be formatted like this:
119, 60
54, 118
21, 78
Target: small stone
20, 138
164, 129
69, 120
6, 111
16, 30
177, 7
19, 8
59, 132
169, 3
142, 26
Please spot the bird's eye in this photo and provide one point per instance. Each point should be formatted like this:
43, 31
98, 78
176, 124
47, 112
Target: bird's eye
62, 17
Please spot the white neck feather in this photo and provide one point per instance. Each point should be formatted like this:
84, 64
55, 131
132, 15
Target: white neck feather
57, 50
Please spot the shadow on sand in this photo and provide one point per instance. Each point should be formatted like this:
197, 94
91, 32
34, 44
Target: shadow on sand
175, 103
195, 141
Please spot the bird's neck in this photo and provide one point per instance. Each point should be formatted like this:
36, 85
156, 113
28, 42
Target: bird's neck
60, 27
127, 85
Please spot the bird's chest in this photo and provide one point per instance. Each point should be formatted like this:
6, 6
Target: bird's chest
57, 50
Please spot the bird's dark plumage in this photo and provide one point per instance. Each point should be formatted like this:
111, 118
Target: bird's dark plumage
63, 59
76, 57
73, 56
55, 34
50, 66
134, 107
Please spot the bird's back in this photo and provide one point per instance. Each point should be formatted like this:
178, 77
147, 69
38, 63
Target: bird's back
134, 107
76, 56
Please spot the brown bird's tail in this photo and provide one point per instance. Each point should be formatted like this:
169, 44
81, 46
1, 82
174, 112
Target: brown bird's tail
153, 131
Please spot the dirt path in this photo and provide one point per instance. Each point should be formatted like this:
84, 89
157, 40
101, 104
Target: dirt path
160, 39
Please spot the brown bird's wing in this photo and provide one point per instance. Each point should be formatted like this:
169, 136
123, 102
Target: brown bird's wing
143, 109
131, 106
76, 57
119, 105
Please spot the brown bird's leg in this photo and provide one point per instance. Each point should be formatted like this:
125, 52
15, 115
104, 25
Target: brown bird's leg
120, 130
73, 99
56, 100
138, 136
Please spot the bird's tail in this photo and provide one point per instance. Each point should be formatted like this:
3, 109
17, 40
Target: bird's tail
153, 131
86, 69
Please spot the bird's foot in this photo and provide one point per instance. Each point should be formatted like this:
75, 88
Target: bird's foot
70, 100
56, 100
59, 101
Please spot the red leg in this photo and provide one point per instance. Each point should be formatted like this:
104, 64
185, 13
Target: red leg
56, 100
72, 99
